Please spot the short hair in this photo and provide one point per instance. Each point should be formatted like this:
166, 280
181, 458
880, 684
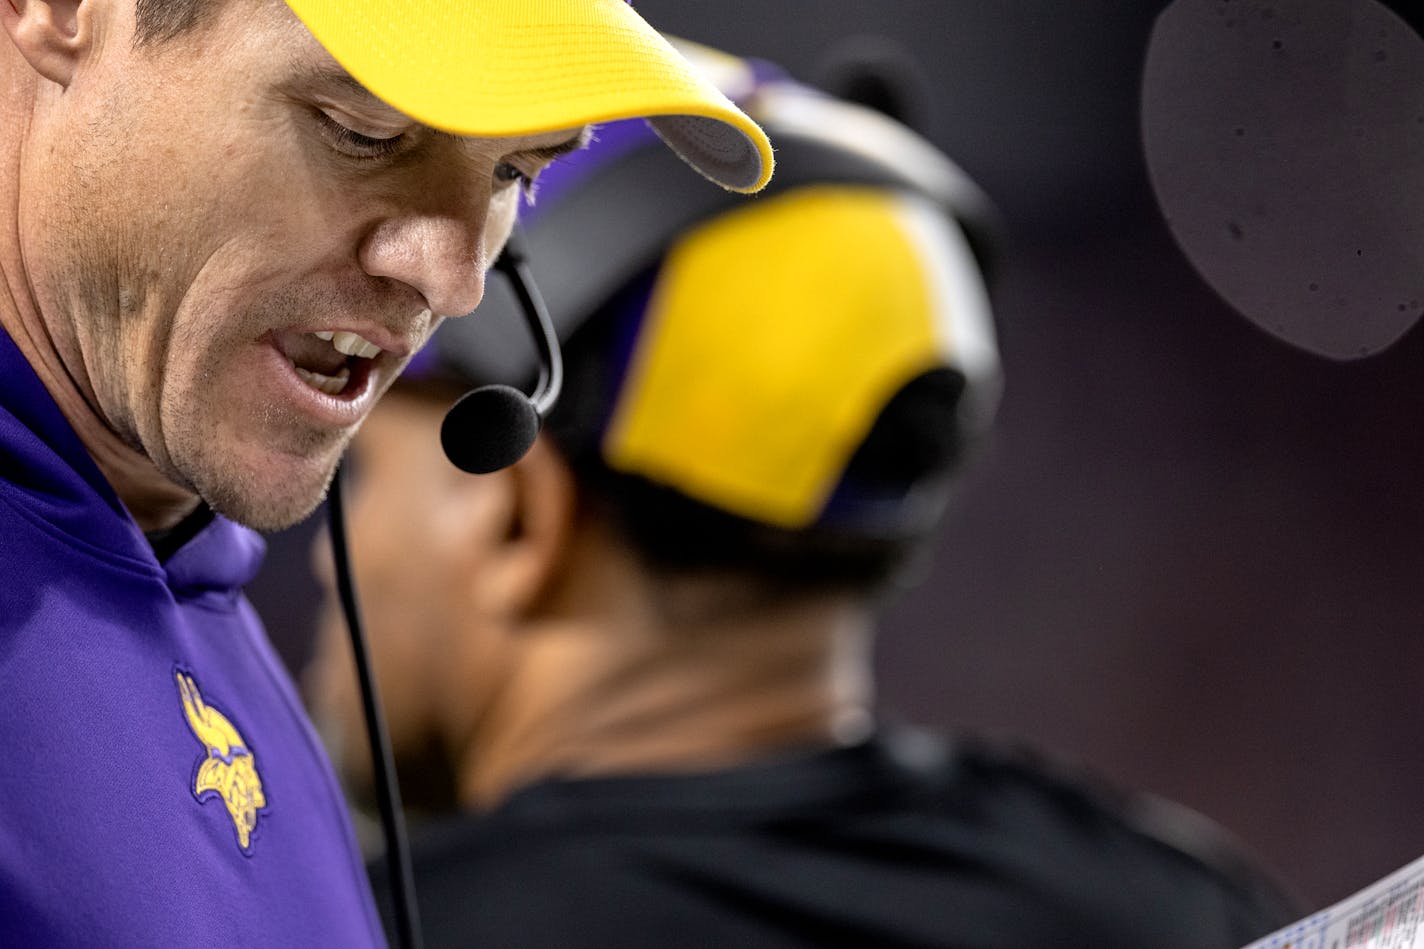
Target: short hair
158, 21
917, 438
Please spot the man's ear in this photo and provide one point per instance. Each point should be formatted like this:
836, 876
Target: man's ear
50, 34
520, 566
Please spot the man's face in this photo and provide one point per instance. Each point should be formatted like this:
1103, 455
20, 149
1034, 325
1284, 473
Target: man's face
420, 534
199, 216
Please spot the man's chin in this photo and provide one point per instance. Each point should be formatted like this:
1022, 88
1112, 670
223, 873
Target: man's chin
270, 500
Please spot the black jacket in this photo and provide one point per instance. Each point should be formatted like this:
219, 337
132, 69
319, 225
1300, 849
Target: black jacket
904, 841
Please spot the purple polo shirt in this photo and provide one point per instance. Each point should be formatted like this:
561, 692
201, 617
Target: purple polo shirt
159, 782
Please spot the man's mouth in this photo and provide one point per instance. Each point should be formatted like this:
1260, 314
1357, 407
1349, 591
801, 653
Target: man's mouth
328, 360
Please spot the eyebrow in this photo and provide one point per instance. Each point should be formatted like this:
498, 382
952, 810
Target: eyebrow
333, 76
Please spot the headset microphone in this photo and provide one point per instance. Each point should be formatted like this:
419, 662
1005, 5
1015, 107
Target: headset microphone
493, 426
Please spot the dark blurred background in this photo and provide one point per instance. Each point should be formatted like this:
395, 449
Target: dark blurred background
1190, 558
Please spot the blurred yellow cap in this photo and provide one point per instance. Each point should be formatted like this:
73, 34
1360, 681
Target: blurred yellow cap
523, 67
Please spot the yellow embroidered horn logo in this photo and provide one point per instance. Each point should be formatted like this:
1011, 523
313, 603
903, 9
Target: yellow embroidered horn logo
229, 769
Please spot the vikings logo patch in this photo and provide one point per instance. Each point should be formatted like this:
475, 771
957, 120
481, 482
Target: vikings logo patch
228, 769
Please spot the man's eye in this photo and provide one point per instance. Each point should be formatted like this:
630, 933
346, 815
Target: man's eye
353, 143
508, 173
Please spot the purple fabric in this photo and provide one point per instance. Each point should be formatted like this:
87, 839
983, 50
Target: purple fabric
107, 834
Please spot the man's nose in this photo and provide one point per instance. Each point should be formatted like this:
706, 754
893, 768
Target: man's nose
439, 255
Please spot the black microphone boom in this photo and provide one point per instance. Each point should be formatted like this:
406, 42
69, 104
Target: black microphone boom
487, 429
491, 427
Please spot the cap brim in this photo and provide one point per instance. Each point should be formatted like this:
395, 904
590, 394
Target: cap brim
510, 67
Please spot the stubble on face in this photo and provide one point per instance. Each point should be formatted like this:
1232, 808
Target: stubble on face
276, 463
250, 457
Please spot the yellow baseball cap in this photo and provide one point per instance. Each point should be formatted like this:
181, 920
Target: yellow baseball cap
524, 67
775, 335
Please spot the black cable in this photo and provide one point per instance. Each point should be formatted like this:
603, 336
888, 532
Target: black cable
514, 264
398, 864
387, 789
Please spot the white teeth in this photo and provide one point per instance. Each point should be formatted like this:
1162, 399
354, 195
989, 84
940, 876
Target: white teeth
353, 344
331, 385
324, 335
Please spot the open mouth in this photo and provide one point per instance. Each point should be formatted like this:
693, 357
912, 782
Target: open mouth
333, 362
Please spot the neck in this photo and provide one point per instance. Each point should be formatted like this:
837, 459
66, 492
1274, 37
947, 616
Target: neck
40, 334
626, 694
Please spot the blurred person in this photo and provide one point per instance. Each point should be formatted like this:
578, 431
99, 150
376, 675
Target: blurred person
629, 678
224, 228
